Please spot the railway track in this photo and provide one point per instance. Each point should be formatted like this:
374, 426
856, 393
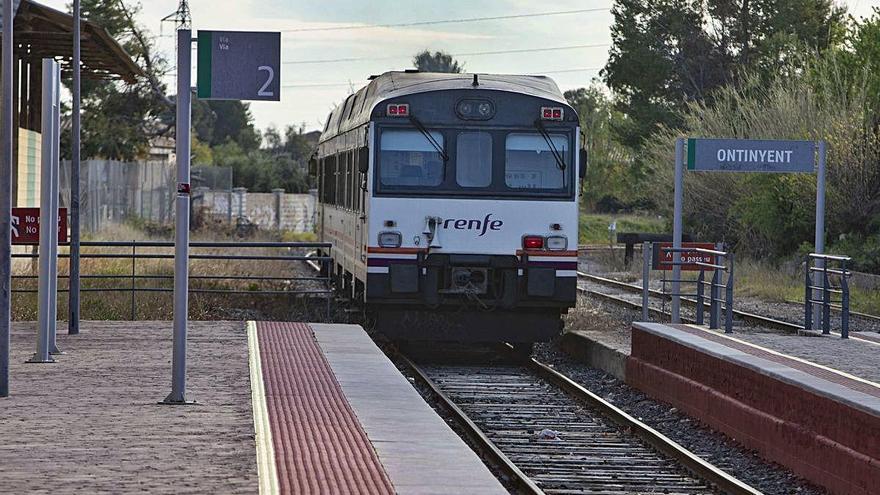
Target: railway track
553, 436
689, 305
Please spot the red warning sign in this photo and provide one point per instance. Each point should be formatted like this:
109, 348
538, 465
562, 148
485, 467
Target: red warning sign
662, 259
26, 226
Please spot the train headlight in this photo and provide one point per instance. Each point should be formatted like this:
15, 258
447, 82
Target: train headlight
533, 242
557, 243
475, 109
390, 239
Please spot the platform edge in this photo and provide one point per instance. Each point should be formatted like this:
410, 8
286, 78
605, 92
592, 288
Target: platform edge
266, 470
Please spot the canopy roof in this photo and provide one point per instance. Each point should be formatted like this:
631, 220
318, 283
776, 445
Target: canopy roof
43, 32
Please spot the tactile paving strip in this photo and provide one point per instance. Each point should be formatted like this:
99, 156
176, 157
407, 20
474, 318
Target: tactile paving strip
320, 446
816, 371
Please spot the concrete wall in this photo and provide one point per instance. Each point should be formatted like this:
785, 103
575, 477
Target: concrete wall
297, 211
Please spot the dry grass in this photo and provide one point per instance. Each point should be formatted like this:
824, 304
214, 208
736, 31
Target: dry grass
101, 304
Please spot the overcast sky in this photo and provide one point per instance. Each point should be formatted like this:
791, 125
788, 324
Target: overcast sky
312, 89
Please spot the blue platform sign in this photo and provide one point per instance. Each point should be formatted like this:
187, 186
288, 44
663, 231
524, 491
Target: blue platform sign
750, 155
239, 65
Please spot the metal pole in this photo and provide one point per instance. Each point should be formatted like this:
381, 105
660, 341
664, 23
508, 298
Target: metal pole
820, 224
6, 202
808, 296
826, 300
52, 228
676, 229
700, 281
646, 276
844, 302
133, 272
728, 310
42, 351
181, 242
74, 283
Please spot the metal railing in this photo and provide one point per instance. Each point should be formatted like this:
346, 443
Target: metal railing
819, 291
722, 280
296, 252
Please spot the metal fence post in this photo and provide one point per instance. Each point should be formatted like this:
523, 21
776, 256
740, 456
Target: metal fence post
646, 280
844, 302
133, 271
808, 295
826, 300
700, 281
713, 299
728, 319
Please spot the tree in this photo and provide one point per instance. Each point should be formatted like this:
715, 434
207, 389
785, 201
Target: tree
426, 61
119, 118
611, 171
666, 53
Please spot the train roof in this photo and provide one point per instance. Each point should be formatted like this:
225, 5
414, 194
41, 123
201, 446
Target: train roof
356, 109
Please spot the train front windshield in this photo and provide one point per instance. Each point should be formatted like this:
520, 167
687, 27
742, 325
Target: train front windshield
491, 163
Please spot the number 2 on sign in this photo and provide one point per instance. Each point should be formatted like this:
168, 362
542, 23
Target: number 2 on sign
262, 91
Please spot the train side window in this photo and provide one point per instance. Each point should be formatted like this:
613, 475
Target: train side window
348, 179
330, 179
473, 166
340, 179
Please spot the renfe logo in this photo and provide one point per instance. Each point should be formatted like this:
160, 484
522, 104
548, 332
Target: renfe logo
480, 226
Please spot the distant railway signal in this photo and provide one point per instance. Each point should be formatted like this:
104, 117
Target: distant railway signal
239, 65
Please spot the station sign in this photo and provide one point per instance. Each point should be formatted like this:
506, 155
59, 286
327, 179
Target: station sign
662, 259
750, 155
26, 226
239, 65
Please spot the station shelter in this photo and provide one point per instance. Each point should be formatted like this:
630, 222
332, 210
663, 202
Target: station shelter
42, 32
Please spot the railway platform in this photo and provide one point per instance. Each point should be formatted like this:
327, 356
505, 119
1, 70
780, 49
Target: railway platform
818, 421
280, 408
334, 415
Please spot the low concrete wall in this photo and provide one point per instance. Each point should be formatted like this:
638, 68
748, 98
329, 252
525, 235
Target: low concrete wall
297, 211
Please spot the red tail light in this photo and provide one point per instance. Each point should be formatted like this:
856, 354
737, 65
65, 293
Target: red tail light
533, 242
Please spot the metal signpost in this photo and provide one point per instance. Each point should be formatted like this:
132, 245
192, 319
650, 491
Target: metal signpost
232, 65
6, 198
743, 155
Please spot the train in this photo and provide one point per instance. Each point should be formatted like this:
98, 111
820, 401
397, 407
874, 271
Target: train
451, 205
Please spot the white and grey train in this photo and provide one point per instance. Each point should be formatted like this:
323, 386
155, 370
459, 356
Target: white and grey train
451, 202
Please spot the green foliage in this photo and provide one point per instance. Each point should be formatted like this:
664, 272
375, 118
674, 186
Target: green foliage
118, 118
668, 53
767, 214
283, 163
594, 228
611, 170
426, 61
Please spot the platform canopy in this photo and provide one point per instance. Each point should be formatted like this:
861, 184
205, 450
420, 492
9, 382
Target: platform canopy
43, 32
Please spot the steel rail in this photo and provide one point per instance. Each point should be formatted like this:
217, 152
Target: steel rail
746, 316
743, 315
690, 461
486, 445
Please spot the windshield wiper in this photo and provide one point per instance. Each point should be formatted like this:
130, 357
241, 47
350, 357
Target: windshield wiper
560, 161
416, 122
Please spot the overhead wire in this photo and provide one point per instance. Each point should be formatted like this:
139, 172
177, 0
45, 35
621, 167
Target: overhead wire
445, 21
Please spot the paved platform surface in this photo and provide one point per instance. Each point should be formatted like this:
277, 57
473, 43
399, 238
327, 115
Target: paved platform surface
343, 408
91, 422
814, 419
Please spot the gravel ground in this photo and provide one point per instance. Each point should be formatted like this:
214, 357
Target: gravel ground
718, 449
